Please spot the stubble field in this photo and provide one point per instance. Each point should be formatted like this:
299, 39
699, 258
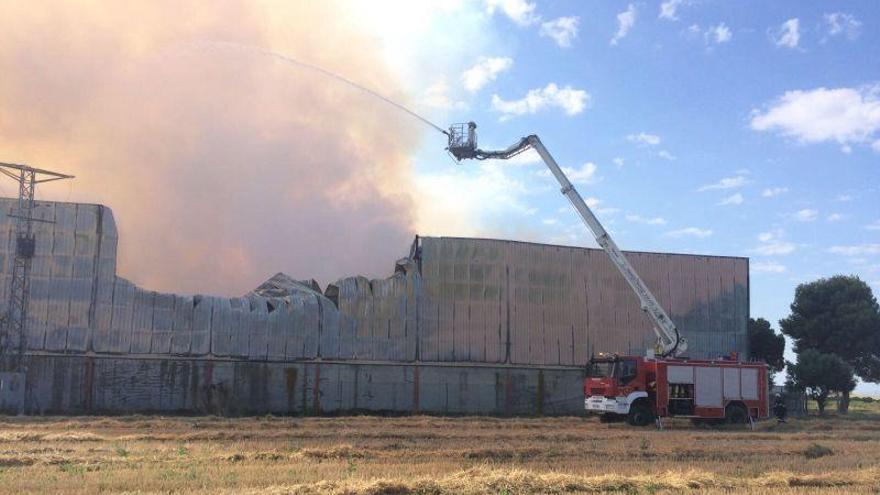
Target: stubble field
431, 455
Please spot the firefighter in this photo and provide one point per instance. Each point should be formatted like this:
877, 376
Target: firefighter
779, 409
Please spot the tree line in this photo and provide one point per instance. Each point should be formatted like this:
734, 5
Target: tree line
835, 327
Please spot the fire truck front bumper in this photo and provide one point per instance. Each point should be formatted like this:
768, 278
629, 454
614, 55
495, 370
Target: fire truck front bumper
603, 405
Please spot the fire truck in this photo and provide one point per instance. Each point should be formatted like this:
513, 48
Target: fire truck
640, 389
663, 383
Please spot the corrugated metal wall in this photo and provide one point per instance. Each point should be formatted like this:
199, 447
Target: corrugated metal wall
502, 303
524, 303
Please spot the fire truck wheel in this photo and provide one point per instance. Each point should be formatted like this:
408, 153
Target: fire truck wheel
736, 414
640, 414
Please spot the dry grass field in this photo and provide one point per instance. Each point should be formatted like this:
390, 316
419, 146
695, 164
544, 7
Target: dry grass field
431, 455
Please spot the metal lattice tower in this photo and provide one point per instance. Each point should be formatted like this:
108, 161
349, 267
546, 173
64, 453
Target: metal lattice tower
13, 339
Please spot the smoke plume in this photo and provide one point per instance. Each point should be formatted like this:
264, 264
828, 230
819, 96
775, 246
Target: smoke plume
222, 166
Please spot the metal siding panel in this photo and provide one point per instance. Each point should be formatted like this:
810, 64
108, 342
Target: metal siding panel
201, 325
446, 304
163, 310
276, 330
118, 335
293, 345
460, 328
221, 328
546, 274
256, 327
583, 338
142, 322
701, 285
181, 325
535, 329
715, 310
238, 334
519, 340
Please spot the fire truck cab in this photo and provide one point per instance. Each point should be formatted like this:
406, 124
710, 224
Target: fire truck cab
640, 389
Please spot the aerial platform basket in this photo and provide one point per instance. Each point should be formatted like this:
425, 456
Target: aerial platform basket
463, 140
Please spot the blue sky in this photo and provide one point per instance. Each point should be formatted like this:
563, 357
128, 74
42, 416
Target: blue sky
730, 128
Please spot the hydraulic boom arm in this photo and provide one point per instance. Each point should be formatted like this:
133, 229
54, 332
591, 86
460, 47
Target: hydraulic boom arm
464, 146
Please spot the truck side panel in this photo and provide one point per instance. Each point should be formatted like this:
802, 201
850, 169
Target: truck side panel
708, 387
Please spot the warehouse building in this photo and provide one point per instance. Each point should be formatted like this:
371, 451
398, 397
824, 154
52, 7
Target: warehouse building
463, 326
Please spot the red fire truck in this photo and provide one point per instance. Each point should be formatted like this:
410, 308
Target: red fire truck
639, 389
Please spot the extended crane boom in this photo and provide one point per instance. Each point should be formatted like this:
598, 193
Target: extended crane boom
463, 145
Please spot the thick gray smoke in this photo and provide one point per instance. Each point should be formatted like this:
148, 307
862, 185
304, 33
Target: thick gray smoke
222, 166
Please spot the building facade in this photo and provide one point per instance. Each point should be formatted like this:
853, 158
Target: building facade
463, 326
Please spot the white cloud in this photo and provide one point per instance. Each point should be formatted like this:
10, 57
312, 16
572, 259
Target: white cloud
838, 24
774, 248
767, 267
437, 96
665, 155
843, 115
563, 30
550, 221
732, 200
875, 225
843, 198
585, 174
768, 236
689, 232
625, 22
519, 11
618, 161
726, 183
712, 35
773, 191
855, 250
876, 146
788, 34
644, 220
571, 101
806, 215
835, 217
484, 71
644, 139
719, 34
669, 8
595, 204
772, 244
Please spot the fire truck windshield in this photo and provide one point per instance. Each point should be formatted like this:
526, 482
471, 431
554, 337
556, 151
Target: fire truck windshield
602, 369
624, 370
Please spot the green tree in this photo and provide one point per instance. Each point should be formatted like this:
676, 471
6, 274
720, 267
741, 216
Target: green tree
820, 374
766, 345
838, 315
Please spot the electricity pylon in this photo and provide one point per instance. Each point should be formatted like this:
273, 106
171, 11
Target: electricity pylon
13, 339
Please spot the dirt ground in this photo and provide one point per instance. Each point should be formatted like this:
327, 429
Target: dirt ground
431, 455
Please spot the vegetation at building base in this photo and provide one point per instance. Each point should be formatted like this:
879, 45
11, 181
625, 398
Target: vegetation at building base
821, 374
435, 455
766, 345
835, 326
